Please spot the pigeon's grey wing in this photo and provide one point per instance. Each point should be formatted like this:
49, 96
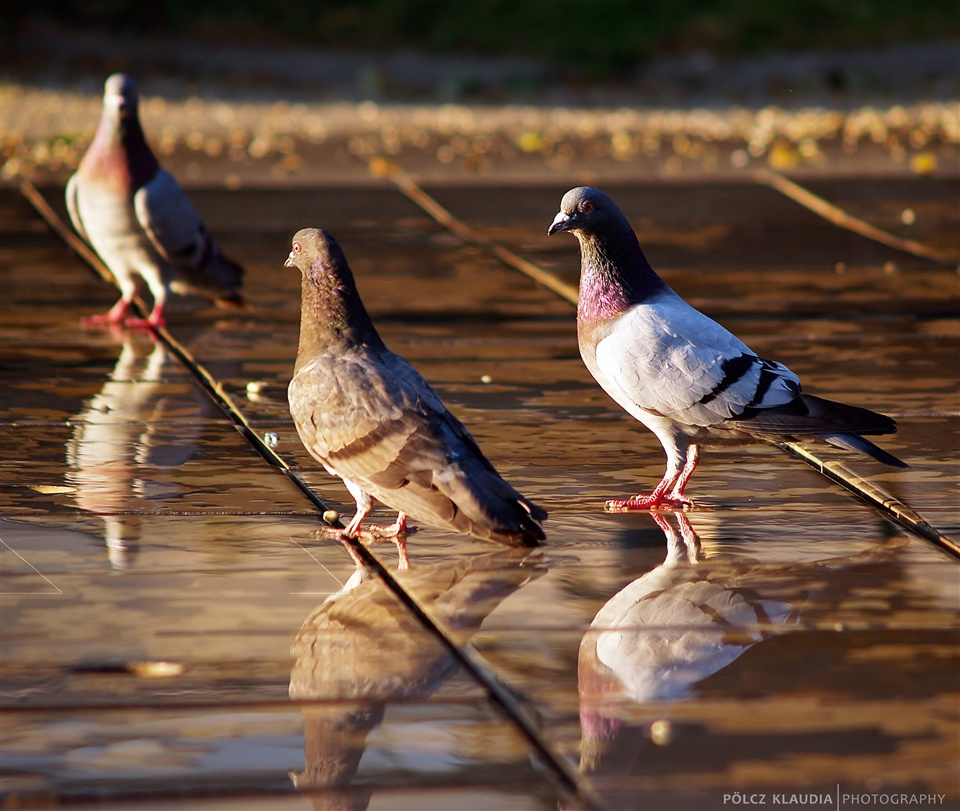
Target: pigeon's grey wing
170, 221
669, 359
166, 215
358, 420
73, 206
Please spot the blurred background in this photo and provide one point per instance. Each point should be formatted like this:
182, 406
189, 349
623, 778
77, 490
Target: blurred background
545, 42
792, 84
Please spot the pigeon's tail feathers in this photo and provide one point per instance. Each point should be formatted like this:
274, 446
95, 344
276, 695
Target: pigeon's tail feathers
840, 418
837, 423
226, 276
232, 300
854, 442
216, 277
490, 506
531, 531
807, 414
506, 517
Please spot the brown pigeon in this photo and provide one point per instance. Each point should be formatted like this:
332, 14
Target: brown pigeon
137, 218
369, 417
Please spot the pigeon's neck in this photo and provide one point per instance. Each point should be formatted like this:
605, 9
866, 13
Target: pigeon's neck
332, 319
121, 152
614, 275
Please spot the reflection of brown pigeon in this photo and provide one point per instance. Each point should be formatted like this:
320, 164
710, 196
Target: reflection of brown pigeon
361, 650
678, 372
138, 219
368, 417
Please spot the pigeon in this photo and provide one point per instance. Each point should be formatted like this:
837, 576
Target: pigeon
369, 418
138, 219
680, 373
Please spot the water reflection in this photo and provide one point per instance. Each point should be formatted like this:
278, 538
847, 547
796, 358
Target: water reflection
663, 636
672, 626
361, 649
114, 453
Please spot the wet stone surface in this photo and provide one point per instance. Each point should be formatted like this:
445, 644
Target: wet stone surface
175, 631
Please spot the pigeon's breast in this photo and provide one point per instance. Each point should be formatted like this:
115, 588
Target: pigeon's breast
590, 333
112, 227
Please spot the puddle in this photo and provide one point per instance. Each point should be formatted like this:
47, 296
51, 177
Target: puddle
812, 642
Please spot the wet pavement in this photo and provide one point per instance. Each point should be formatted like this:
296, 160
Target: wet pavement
175, 634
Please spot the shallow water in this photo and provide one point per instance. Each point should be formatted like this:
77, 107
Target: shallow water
175, 631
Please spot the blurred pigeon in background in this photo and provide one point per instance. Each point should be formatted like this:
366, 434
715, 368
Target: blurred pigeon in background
681, 374
369, 417
138, 219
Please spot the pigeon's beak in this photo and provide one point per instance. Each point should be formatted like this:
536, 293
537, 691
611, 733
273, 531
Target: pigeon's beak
562, 222
290, 263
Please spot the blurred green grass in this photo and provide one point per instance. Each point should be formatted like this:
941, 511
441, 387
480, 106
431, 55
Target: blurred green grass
590, 38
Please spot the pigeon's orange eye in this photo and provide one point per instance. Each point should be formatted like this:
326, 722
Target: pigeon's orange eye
586, 206
297, 247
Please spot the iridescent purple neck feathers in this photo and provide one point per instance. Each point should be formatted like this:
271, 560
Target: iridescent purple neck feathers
119, 152
614, 273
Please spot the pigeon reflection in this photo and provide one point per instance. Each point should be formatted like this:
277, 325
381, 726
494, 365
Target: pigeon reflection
660, 635
114, 453
361, 649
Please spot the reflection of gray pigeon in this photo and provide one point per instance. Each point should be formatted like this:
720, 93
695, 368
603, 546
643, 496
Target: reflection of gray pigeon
138, 219
368, 417
674, 625
657, 639
681, 374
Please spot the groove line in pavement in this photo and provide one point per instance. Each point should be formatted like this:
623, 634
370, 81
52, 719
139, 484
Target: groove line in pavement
836, 215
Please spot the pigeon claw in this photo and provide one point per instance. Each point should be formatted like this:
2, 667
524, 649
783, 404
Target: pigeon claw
378, 532
118, 317
649, 503
396, 532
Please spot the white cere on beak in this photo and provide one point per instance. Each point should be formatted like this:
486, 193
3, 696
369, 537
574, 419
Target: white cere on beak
558, 222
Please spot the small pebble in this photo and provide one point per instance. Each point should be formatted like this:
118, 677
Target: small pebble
156, 669
661, 732
52, 489
331, 517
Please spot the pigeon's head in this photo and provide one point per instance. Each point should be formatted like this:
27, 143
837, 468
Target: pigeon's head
586, 210
120, 91
330, 303
318, 256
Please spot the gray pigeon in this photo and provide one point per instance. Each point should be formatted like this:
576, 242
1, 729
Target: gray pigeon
137, 218
684, 376
369, 417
